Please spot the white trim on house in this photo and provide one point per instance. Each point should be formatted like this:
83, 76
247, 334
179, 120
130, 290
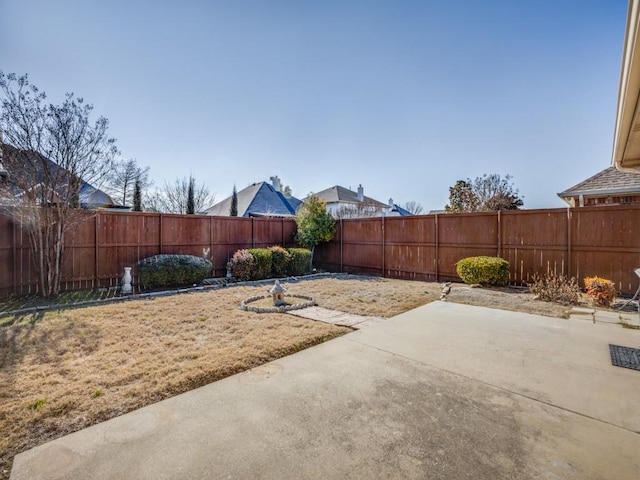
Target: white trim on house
626, 139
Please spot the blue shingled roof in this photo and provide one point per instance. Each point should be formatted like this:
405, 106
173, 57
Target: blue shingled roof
268, 201
401, 211
258, 200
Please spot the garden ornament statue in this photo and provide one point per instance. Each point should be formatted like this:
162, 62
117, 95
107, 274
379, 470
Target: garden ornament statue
277, 291
126, 281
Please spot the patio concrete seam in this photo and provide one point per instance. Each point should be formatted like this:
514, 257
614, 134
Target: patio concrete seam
519, 394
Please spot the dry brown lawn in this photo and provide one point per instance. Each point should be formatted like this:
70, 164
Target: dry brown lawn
65, 370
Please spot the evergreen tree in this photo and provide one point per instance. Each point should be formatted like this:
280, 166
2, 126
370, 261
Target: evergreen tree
137, 196
191, 201
315, 224
233, 211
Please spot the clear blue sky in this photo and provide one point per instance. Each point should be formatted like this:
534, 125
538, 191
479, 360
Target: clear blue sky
403, 97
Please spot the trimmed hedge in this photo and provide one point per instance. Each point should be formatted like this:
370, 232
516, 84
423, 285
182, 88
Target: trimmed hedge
242, 264
261, 264
483, 270
172, 270
300, 261
280, 260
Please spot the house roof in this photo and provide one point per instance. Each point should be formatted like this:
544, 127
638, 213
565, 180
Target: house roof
338, 194
608, 181
90, 196
398, 210
259, 199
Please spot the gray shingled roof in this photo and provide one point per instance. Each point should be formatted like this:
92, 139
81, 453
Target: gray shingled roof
608, 181
340, 194
90, 196
258, 199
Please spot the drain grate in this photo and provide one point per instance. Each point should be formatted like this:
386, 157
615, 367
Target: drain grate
626, 357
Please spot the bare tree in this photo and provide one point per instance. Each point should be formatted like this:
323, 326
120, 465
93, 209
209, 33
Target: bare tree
173, 197
484, 194
413, 207
51, 152
496, 193
121, 180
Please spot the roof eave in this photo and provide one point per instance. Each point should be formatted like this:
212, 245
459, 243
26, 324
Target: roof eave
604, 191
626, 140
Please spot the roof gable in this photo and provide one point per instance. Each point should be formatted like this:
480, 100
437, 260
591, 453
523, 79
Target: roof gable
339, 194
258, 199
268, 201
401, 211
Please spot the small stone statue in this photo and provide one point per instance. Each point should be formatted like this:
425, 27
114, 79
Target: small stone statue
277, 291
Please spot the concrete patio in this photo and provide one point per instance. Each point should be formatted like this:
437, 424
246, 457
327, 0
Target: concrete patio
444, 391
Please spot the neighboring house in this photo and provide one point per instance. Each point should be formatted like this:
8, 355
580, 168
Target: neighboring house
608, 187
345, 203
90, 196
259, 200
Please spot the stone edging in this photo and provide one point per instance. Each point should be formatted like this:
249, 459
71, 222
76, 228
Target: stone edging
296, 306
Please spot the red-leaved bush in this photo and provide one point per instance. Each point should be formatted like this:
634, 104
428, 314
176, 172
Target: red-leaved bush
601, 290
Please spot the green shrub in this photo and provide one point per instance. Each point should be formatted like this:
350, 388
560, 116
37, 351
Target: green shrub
262, 263
172, 270
601, 290
242, 264
300, 261
555, 288
280, 260
483, 270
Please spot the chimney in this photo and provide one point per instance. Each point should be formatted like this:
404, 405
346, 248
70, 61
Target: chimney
391, 202
360, 193
275, 182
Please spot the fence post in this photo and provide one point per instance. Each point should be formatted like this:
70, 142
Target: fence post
211, 246
499, 233
569, 274
341, 245
15, 257
97, 262
383, 245
161, 234
437, 246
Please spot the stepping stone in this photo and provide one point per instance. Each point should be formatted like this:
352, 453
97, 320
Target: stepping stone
336, 317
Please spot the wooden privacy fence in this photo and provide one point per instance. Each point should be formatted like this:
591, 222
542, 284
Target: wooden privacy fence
106, 242
602, 241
